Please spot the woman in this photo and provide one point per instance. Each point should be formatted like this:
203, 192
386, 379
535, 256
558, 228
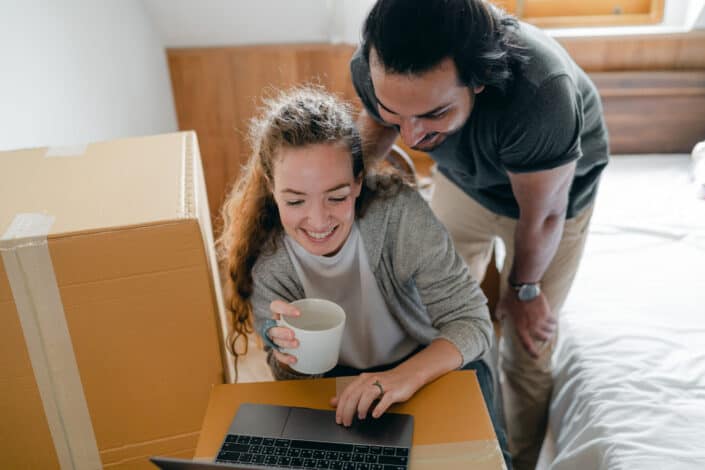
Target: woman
305, 221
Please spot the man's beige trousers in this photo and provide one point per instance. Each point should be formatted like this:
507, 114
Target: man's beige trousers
526, 382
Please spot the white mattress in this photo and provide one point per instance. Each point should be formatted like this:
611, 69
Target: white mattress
630, 363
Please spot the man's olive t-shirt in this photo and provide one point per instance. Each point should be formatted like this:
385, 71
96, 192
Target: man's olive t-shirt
551, 115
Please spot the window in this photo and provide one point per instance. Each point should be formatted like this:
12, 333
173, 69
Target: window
572, 13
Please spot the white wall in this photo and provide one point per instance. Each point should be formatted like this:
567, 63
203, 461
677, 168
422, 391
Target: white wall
76, 71
231, 22
700, 22
684, 12
198, 23
202, 23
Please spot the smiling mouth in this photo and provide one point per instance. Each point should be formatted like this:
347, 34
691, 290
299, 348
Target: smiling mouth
429, 140
320, 236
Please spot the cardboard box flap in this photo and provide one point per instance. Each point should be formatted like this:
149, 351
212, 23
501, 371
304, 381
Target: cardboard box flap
97, 187
110, 245
452, 427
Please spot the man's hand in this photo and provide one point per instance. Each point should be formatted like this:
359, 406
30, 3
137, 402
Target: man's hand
534, 321
377, 139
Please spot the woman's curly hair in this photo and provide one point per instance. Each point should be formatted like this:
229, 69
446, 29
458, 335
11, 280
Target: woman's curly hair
295, 118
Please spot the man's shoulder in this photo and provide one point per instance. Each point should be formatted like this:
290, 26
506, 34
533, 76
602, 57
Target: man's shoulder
547, 59
549, 75
548, 70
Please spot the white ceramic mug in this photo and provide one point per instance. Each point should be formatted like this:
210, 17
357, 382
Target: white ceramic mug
319, 330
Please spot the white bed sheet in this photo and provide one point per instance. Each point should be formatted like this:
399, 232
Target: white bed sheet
630, 362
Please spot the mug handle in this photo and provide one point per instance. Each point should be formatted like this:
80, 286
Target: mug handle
268, 324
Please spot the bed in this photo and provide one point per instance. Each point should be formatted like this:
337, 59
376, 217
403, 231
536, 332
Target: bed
629, 367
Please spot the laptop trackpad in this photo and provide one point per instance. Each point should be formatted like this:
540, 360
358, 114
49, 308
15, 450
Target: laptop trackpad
260, 420
319, 425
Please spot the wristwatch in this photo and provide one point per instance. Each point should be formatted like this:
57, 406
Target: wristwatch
528, 291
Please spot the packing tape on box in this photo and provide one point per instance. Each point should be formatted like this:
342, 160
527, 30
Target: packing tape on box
479, 455
25, 255
66, 151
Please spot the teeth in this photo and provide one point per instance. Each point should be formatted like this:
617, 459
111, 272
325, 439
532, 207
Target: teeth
319, 235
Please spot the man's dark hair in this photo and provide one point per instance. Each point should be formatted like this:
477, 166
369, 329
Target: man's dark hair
414, 36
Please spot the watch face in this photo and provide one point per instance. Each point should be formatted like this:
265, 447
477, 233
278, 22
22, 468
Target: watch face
528, 292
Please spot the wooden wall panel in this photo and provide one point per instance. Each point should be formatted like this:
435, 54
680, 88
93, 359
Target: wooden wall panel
647, 108
218, 90
629, 53
653, 112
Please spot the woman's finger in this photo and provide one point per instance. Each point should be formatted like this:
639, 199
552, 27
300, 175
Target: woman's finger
279, 308
347, 406
286, 343
369, 394
283, 337
284, 358
281, 333
350, 407
340, 403
385, 401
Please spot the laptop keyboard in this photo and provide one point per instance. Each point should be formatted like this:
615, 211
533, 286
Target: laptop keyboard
292, 453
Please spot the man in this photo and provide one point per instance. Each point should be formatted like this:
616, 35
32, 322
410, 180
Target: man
516, 129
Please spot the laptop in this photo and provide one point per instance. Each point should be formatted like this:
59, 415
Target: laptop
269, 437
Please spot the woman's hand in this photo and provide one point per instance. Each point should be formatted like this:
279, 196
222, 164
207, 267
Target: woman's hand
392, 386
395, 385
281, 335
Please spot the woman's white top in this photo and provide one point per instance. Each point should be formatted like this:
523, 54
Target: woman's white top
372, 335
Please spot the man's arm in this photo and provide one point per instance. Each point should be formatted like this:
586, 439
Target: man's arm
543, 198
377, 139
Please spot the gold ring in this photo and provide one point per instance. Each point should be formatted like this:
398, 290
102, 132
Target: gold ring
379, 386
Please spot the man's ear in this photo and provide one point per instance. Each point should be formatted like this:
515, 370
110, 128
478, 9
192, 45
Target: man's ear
478, 89
358, 183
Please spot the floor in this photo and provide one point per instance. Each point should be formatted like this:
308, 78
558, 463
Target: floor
253, 366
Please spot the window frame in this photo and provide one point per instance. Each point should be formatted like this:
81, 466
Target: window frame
654, 14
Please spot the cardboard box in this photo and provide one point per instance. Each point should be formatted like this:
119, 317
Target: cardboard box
110, 308
452, 429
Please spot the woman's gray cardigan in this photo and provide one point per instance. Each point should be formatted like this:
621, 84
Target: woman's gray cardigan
425, 283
